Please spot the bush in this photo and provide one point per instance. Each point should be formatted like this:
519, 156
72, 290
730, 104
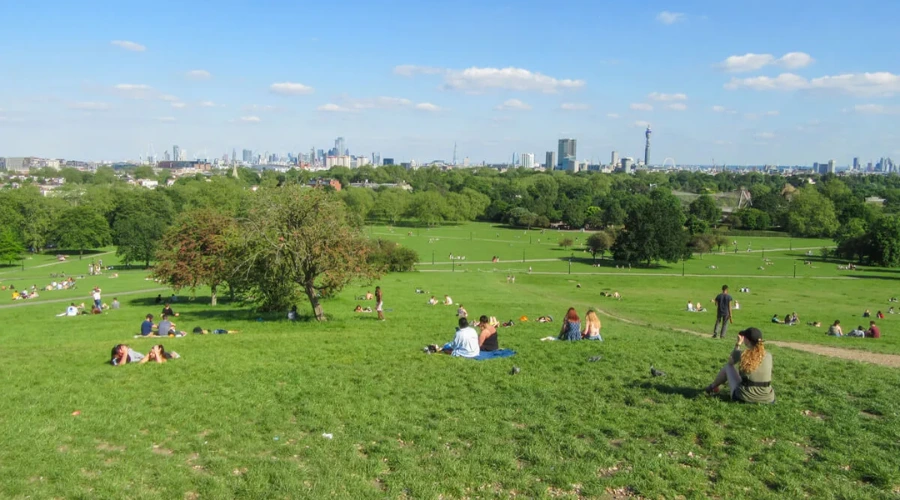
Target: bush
390, 256
566, 242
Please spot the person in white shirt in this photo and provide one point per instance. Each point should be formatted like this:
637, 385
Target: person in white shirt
447, 300
461, 312
465, 343
432, 301
96, 296
690, 306
72, 310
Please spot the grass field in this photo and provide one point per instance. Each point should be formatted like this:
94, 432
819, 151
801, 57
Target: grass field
244, 415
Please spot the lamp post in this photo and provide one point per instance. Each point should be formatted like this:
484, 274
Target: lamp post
795, 269
523, 255
682, 267
432, 257
570, 263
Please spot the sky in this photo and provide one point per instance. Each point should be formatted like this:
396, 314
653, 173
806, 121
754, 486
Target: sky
738, 83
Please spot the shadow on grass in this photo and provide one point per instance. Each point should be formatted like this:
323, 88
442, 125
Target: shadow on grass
685, 392
609, 263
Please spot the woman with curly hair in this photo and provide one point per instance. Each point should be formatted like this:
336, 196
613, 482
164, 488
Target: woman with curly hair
591, 326
748, 371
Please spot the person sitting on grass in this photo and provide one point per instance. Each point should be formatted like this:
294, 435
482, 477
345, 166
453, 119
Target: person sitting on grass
748, 372
891, 310
447, 300
465, 342
879, 315
358, 309
859, 332
835, 329
873, 332
699, 308
690, 306
432, 301
147, 326
369, 295
115, 303
571, 327
776, 319
95, 309
787, 320
159, 299
591, 326
218, 331
814, 324
72, 310
867, 314
122, 354
461, 312
167, 311
165, 326
487, 339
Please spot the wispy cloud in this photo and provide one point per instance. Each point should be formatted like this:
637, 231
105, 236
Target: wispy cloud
250, 119
291, 88
127, 45
169, 98
640, 106
881, 84
88, 106
574, 106
427, 106
612, 115
764, 135
166, 119
656, 96
667, 17
476, 79
876, 109
513, 104
641, 124
333, 108
134, 90
753, 62
676, 106
198, 74
179, 105
207, 104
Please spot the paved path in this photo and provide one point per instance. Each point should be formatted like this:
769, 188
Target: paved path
32, 302
54, 263
889, 360
638, 273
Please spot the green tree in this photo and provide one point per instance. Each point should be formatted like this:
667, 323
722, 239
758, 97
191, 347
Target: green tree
705, 209
884, 242
137, 237
600, 242
11, 249
301, 239
702, 243
144, 172
360, 201
195, 251
390, 204
566, 243
82, 228
852, 240
428, 207
522, 217
654, 230
811, 214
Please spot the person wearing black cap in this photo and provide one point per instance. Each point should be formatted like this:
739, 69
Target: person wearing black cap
748, 371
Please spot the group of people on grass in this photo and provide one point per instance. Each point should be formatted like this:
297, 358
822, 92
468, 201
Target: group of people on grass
433, 301
122, 354
468, 343
873, 332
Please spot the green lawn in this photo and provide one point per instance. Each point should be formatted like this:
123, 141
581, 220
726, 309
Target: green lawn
243, 415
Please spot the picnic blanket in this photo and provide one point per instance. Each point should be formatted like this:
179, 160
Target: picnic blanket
500, 353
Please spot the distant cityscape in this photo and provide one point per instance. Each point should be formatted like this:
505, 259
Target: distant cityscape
565, 158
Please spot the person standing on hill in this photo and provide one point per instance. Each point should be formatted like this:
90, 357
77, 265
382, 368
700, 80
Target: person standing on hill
379, 303
723, 312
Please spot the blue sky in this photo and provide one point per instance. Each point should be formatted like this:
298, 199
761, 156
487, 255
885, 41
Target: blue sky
760, 82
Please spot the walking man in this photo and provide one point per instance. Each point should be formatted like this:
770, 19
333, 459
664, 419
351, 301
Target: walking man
379, 307
723, 312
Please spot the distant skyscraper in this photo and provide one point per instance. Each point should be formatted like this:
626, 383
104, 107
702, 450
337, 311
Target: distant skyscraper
233, 155
340, 147
567, 151
550, 160
515, 159
176, 153
831, 167
856, 163
614, 159
389, 161
647, 147
247, 155
167, 156
527, 160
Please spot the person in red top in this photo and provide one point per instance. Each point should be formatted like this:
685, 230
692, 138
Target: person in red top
873, 332
879, 315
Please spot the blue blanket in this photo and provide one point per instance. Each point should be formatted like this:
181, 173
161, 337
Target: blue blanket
500, 353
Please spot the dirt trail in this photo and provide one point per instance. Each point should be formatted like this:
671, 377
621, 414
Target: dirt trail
889, 360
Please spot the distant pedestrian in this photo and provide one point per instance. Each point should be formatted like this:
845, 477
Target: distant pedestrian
723, 312
379, 303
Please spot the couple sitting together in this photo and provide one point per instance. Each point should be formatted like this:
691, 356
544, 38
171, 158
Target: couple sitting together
571, 328
468, 343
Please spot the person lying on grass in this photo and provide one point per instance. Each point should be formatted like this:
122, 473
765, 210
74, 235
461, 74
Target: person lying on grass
748, 371
218, 331
859, 332
158, 354
122, 354
571, 327
360, 309
591, 326
487, 340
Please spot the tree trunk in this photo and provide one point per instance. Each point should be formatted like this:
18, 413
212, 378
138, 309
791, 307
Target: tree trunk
212, 296
314, 302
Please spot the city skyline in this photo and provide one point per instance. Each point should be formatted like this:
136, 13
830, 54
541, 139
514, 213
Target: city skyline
742, 85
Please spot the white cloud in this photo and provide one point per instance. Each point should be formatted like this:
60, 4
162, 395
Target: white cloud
291, 88
723, 109
574, 106
125, 44
656, 96
378, 103
427, 106
753, 62
260, 107
612, 115
795, 60
676, 106
169, 98
88, 106
179, 105
207, 104
772, 113
333, 108
477, 79
882, 84
641, 124
513, 104
134, 90
198, 74
667, 17
166, 119
875, 109
764, 135
250, 119
640, 106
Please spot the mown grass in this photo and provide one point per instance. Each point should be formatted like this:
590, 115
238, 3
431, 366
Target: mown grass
243, 415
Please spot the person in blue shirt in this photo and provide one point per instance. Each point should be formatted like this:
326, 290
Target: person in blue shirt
147, 326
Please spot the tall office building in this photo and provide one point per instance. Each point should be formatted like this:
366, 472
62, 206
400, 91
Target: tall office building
167, 156
855, 163
233, 155
340, 148
550, 160
831, 167
247, 155
647, 147
176, 153
614, 159
567, 151
527, 160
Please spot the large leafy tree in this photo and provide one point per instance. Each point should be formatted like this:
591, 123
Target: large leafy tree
705, 209
884, 242
811, 214
194, 251
299, 239
654, 230
390, 204
137, 237
11, 249
82, 228
600, 242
